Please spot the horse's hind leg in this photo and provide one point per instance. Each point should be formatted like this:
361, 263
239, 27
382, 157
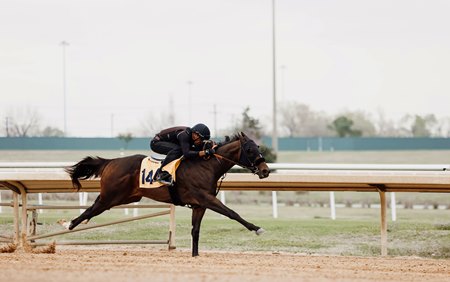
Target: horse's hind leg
197, 216
100, 205
214, 204
97, 208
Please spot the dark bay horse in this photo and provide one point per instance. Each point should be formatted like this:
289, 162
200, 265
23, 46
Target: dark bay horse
196, 183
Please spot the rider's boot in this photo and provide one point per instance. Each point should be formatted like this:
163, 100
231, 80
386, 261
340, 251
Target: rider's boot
164, 178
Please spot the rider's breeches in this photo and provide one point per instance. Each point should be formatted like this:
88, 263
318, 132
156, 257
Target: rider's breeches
173, 151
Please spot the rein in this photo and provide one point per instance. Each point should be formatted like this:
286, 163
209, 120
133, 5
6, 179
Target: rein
254, 170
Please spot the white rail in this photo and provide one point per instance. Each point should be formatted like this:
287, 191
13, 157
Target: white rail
281, 166
390, 167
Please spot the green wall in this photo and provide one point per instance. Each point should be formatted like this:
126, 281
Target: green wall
284, 144
361, 144
57, 143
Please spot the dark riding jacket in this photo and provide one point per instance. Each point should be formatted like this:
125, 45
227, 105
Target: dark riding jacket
181, 136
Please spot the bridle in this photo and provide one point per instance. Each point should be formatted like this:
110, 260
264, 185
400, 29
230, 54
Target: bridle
244, 159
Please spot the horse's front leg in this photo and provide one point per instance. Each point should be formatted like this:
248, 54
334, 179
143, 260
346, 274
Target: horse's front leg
197, 216
214, 204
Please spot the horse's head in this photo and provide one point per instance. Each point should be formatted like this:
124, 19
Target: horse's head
251, 157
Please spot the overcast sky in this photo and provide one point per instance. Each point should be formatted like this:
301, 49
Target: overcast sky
127, 59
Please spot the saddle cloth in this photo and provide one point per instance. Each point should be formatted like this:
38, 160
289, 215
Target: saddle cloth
149, 166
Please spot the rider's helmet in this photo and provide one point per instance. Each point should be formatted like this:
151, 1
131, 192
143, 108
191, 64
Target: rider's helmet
202, 130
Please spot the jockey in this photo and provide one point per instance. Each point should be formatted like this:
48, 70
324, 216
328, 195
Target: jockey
180, 141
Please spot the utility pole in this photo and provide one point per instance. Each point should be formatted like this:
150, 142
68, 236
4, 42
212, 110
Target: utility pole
7, 126
283, 69
274, 110
215, 120
64, 44
171, 110
112, 125
274, 78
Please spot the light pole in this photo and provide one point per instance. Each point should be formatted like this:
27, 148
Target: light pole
274, 79
283, 69
274, 109
215, 119
64, 44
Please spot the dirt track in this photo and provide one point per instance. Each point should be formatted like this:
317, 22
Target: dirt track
151, 264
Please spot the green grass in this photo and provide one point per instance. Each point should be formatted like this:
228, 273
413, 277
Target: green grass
356, 232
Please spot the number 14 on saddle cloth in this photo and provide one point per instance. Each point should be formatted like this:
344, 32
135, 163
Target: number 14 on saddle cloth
149, 166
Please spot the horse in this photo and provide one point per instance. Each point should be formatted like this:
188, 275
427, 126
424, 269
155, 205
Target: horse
195, 186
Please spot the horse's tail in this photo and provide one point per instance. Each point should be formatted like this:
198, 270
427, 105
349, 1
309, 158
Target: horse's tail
86, 168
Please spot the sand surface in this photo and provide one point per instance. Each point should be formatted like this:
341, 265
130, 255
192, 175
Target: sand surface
136, 263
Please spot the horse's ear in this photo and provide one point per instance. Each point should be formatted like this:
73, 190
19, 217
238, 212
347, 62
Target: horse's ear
242, 134
227, 138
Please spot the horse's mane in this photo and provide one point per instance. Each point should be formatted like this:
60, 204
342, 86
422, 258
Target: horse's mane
228, 140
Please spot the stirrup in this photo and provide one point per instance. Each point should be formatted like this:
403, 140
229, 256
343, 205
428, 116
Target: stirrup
166, 182
164, 178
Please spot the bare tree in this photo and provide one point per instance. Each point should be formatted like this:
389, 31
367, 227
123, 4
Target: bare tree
125, 138
294, 117
152, 125
23, 122
442, 127
418, 126
385, 127
299, 120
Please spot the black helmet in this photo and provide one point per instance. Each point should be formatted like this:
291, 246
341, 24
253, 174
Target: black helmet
201, 130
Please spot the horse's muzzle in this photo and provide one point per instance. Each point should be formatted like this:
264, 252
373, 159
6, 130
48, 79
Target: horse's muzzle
263, 170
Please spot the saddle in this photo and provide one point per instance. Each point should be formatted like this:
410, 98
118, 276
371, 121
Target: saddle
150, 165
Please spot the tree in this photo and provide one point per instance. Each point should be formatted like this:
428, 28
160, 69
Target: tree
299, 120
251, 127
49, 131
152, 125
386, 127
419, 126
443, 127
23, 123
422, 124
343, 127
361, 122
126, 138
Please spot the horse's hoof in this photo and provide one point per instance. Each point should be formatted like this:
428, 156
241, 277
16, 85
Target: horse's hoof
71, 225
260, 231
64, 223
